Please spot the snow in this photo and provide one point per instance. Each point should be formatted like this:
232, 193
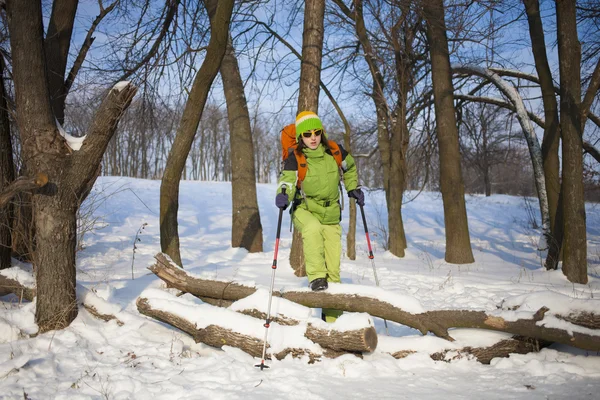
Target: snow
73, 142
143, 358
120, 85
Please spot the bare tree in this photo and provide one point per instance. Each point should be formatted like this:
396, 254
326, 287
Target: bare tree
569, 53
7, 174
308, 98
485, 134
458, 245
550, 143
246, 229
169, 189
71, 173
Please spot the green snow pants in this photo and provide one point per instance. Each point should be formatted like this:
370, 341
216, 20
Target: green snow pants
322, 245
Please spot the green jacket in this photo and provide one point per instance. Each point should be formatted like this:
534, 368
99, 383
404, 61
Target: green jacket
320, 189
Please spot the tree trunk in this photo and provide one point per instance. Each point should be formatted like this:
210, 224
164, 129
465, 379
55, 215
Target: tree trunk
550, 143
169, 188
44, 150
504, 348
569, 52
246, 228
458, 246
392, 145
56, 45
7, 175
356, 340
56, 225
437, 322
312, 53
308, 97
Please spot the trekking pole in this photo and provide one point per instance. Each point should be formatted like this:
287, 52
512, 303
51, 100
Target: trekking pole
273, 268
372, 257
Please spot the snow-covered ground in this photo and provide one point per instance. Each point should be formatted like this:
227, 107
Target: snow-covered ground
144, 359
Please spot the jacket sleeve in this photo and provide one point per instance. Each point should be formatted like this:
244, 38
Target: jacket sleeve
349, 169
289, 176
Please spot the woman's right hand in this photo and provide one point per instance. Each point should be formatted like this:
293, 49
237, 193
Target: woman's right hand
282, 201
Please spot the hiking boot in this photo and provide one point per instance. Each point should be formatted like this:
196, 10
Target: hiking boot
318, 284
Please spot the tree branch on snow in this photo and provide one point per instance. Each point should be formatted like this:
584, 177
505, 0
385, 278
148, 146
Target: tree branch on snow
515, 345
228, 327
8, 285
438, 321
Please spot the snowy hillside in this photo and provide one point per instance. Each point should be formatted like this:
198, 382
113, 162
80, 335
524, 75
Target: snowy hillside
140, 358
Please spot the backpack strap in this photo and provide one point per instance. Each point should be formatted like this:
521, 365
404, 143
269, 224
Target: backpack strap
302, 168
336, 152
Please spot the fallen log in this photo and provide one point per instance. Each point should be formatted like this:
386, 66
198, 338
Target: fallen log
438, 322
503, 349
8, 285
104, 317
212, 335
357, 340
218, 336
198, 322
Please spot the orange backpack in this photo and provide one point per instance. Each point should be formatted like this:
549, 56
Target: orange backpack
289, 144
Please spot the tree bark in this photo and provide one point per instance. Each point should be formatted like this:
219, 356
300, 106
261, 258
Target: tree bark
437, 322
308, 96
7, 175
8, 285
69, 173
56, 45
458, 246
358, 340
569, 52
246, 228
312, 54
515, 345
550, 143
22, 184
192, 113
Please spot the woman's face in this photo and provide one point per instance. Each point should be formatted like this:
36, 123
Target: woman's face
314, 138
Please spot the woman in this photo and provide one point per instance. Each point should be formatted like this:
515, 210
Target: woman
317, 210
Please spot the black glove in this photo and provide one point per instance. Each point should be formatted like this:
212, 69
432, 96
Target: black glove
282, 201
358, 195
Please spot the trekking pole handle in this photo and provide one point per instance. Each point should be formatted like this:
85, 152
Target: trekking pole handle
278, 234
362, 212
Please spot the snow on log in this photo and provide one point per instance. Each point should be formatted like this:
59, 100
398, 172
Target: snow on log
218, 327
97, 306
212, 335
178, 278
16, 281
537, 322
515, 345
470, 343
354, 332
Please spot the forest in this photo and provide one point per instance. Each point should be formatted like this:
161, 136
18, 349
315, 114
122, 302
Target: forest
485, 97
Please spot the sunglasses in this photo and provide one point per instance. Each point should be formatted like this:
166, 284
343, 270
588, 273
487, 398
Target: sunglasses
316, 132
